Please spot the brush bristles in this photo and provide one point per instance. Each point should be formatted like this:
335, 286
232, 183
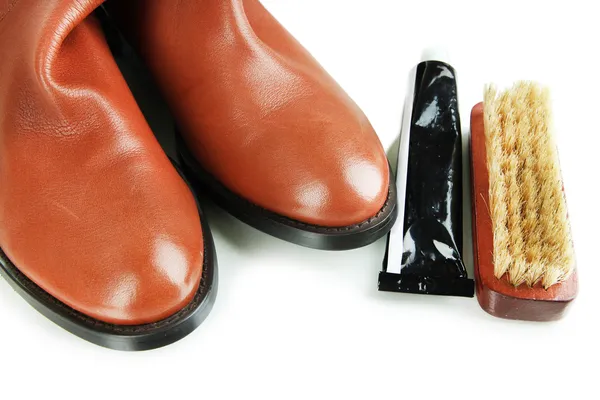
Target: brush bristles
532, 241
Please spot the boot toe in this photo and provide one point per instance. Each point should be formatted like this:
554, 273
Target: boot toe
152, 292
356, 192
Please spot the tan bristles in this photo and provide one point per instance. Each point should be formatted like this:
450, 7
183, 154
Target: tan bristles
532, 238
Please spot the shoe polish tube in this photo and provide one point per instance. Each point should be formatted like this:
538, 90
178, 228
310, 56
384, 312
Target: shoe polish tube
424, 247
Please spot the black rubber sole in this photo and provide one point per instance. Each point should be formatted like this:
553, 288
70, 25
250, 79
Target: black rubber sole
123, 337
313, 236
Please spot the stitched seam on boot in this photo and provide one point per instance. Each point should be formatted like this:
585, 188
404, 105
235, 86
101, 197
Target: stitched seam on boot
8, 9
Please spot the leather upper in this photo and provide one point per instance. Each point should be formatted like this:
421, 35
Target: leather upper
91, 209
257, 111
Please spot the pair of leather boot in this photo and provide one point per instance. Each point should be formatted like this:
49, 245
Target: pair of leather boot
99, 230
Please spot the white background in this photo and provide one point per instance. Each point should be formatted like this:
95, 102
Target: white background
297, 323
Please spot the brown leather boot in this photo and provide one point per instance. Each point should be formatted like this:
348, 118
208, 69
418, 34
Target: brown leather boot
98, 231
265, 130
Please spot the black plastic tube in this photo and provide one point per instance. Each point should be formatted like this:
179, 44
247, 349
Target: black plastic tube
431, 239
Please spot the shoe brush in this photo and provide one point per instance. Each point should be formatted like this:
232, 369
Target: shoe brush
523, 252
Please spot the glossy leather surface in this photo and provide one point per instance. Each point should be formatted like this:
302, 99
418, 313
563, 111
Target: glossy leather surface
91, 209
257, 111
